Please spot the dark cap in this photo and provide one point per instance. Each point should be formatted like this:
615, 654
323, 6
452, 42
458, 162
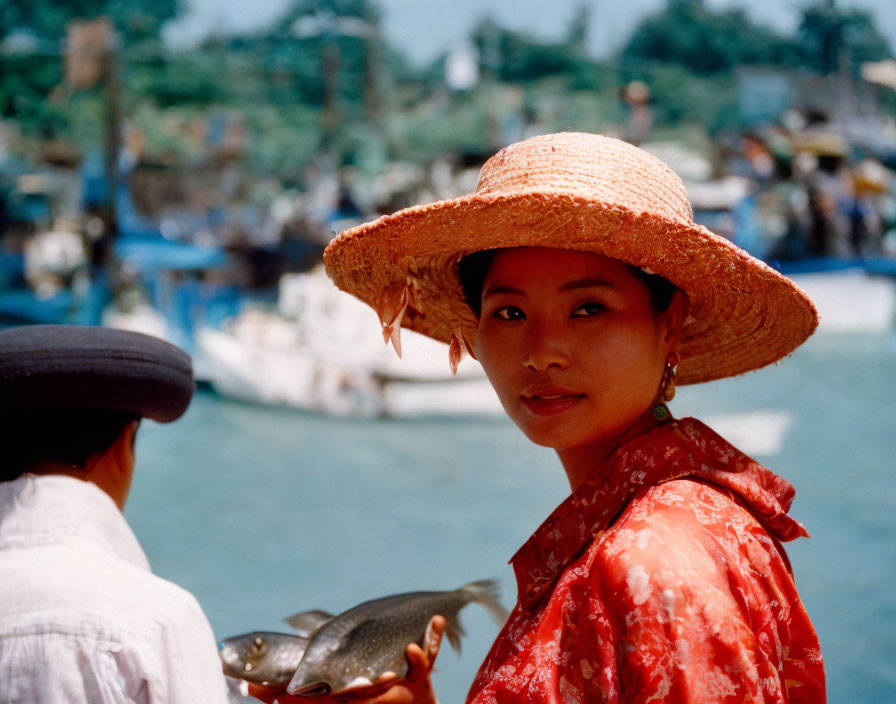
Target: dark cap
75, 366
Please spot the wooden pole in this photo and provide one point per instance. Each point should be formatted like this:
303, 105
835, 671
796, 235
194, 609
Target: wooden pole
112, 135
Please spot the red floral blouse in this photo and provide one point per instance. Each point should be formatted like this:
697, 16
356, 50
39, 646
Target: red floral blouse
660, 579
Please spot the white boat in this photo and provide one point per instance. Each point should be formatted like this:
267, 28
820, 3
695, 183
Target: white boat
322, 351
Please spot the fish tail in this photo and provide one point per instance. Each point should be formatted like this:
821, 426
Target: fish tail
485, 592
453, 631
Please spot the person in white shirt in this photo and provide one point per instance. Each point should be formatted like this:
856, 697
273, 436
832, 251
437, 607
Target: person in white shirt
82, 617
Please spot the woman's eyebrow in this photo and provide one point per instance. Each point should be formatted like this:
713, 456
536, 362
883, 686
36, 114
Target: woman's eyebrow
586, 283
491, 290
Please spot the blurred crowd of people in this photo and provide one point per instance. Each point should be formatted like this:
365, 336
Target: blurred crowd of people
812, 194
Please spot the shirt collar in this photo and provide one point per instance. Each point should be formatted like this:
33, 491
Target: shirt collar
674, 450
54, 508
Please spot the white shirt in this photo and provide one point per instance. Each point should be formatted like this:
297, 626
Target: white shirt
82, 618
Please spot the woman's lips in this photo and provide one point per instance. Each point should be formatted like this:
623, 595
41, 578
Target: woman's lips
549, 401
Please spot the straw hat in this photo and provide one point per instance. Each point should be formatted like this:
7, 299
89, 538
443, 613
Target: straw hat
583, 192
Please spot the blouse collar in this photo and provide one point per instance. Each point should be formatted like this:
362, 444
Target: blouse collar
681, 448
51, 509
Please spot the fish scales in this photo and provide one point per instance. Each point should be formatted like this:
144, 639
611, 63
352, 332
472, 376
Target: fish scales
359, 645
380, 639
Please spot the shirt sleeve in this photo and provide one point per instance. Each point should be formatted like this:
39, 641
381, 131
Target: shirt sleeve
699, 600
188, 668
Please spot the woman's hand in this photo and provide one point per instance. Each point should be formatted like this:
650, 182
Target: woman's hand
414, 688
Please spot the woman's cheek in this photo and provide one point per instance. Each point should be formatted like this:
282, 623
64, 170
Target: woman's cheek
626, 366
494, 361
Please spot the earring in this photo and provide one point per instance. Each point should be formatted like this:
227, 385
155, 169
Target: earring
668, 384
667, 389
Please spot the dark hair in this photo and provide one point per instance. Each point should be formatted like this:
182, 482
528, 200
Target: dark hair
660, 289
473, 269
67, 436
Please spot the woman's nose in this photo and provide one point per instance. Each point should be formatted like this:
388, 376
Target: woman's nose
545, 349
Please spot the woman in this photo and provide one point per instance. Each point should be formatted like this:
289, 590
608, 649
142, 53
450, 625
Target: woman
577, 278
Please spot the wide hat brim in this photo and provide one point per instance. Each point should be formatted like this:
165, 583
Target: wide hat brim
743, 314
86, 367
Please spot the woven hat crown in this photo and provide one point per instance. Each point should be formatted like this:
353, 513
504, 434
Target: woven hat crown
600, 168
589, 193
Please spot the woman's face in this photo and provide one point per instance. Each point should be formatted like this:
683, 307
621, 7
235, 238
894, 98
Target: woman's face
571, 343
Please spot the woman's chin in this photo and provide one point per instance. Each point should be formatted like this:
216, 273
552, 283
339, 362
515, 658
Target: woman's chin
542, 434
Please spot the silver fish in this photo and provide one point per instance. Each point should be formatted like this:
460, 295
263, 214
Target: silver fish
262, 657
355, 648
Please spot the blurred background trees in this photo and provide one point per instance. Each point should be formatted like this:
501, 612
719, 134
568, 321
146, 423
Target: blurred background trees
323, 78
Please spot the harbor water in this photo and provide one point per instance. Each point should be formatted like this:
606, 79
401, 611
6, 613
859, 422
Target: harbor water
262, 512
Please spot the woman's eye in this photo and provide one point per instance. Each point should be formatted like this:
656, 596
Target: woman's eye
586, 310
509, 313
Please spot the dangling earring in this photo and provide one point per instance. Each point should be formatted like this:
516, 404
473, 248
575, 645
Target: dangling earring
668, 386
667, 389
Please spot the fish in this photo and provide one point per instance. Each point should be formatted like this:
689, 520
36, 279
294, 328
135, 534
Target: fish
307, 622
266, 657
358, 646
262, 657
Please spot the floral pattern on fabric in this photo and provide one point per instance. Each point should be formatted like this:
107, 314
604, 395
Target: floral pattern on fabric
660, 579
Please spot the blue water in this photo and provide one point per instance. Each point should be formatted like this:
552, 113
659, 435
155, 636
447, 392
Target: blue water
262, 512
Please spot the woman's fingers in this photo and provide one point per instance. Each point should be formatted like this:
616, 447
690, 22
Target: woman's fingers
418, 663
432, 640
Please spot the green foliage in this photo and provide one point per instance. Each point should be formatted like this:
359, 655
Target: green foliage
166, 130
25, 83
85, 113
515, 56
678, 96
134, 19
828, 36
440, 126
281, 140
327, 58
363, 9
284, 69
705, 41
197, 78
682, 98
587, 111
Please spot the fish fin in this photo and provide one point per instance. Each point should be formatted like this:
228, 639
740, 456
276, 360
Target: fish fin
453, 631
486, 592
307, 622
